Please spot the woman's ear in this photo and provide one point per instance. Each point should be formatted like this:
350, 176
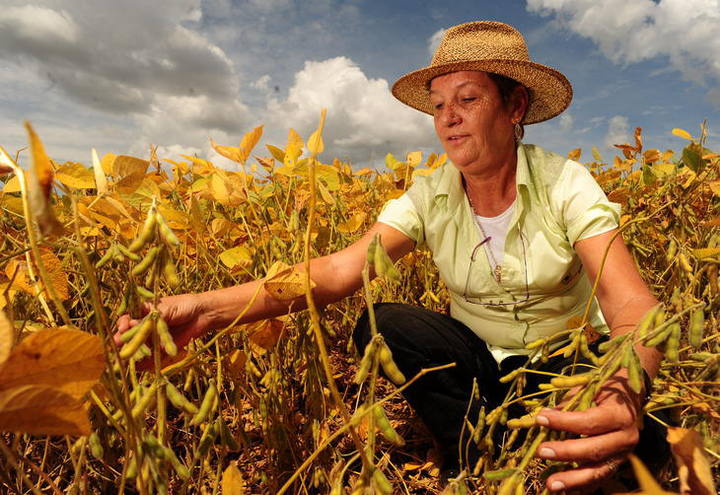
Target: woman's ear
519, 101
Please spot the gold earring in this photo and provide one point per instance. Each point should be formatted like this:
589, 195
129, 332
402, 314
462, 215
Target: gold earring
518, 131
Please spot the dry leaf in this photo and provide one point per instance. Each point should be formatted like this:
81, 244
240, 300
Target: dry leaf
353, 223
40, 185
266, 333
100, 179
287, 285
248, 142
681, 133
238, 256
75, 175
42, 410
575, 154
7, 336
232, 481
68, 360
234, 364
693, 466
648, 485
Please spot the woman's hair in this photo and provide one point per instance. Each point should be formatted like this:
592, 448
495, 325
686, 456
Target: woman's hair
505, 86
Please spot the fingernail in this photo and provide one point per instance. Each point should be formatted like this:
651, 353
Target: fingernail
542, 420
556, 486
547, 453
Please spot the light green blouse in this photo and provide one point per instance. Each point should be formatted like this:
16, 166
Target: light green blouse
543, 283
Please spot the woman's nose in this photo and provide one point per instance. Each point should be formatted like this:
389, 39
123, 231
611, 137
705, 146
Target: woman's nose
449, 115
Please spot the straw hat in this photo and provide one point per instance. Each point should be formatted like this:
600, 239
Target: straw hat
490, 47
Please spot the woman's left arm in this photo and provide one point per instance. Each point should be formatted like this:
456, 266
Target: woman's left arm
610, 429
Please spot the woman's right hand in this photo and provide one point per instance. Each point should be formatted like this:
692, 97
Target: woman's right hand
185, 314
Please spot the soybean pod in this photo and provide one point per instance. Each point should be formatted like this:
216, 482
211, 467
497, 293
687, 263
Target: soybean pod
146, 262
207, 403
383, 424
147, 326
166, 339
146, 233
388, 364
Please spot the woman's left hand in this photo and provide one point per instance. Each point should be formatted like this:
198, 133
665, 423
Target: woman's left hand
610, 432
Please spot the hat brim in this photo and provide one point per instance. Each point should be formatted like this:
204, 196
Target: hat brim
550, 91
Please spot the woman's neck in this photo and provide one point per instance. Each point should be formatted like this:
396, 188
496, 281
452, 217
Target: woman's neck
492, 191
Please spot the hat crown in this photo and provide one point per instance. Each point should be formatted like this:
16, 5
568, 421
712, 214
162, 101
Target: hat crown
481, 40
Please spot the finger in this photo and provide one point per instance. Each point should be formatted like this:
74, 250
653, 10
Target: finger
594, 421
585, 476
123, 323
590, 449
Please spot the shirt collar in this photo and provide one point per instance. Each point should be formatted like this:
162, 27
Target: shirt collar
450, 183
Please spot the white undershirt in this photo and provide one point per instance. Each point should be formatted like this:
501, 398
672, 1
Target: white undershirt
496, 228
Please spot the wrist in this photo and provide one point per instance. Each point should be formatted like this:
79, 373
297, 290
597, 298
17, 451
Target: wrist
208, 303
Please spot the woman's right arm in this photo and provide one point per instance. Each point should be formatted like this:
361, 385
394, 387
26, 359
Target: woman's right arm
336, 276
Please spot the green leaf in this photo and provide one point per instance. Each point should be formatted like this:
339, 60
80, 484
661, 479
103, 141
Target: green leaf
692, 158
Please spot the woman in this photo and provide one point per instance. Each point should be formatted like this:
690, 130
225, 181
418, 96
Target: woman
518, 235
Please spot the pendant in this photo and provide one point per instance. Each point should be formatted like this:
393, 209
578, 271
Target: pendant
498, 273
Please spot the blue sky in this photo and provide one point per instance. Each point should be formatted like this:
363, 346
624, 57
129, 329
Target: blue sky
119, 76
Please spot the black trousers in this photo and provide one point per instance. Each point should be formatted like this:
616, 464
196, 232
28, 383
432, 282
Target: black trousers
419, 338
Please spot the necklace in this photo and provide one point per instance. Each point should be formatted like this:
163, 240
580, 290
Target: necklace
497, 271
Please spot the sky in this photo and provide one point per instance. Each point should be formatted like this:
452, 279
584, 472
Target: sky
121, 76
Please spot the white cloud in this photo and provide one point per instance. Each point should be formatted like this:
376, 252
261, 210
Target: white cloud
565, 122
617, 132
117, 56
434, 41
363, 116
686, 31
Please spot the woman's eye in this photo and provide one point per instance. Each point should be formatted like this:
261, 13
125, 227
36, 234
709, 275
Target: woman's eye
437, 106
468, 99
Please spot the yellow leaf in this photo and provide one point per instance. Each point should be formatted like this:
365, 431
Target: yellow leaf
57, 274
423, 172
413, 158
7, 336
364, 171
238, 256
353, 223
7, 164
100, 179
391, 162
234, 364
287, 284
229, 152
663, 169
693, 466
266, 333
40, 186
124, 166
276, 152
647, 483
575, 154
325, 194
68, 360
107, 162
715, 187
232, 481
219, 189
248, 142
681, 133
12, 185
75, 175
42, 410
293, 149
706, 253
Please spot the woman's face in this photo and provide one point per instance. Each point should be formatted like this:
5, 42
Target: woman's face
474, 125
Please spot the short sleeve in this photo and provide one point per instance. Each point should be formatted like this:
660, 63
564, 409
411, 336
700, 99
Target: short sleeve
586, 210
402, 215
